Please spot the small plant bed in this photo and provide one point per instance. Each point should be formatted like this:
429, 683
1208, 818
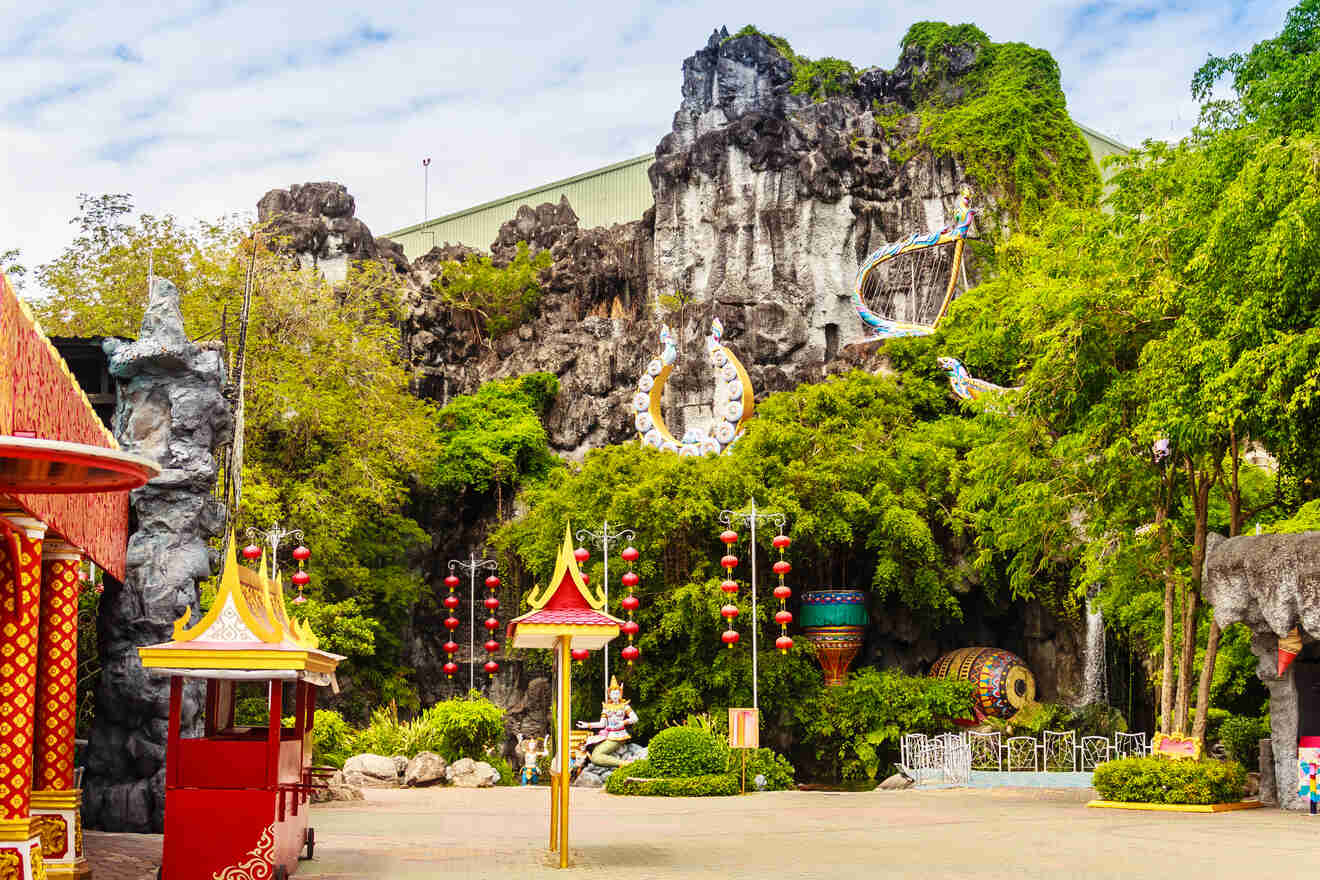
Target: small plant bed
688, 761
1166, 784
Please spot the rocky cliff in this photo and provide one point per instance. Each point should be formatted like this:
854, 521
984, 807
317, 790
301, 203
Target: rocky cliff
170, 408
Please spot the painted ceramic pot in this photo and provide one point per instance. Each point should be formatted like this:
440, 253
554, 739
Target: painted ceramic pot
834, 621
1003, 682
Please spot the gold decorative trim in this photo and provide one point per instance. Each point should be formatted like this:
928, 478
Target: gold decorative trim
15, 829
258, 864
566, 563
56, 798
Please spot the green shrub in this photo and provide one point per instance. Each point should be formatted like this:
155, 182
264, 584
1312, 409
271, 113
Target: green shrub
1097, 719
776, 769
384, 735
453, 729
1157, 780
252, 711
685, 751
641, 768
1240, 736
708, 785
332, 738
507, 776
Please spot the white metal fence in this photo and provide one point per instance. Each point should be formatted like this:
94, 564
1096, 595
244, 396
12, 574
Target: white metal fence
950, 757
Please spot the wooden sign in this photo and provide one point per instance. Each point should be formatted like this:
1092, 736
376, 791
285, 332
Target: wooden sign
744, 729
1175, 746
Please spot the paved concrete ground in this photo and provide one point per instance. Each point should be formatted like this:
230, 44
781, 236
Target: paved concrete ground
496, 833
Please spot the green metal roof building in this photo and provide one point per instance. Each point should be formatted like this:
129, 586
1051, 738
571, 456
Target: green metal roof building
618, 193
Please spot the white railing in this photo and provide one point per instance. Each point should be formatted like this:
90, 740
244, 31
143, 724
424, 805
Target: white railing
951, 757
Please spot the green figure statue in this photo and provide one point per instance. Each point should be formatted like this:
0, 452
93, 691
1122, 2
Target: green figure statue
616, 714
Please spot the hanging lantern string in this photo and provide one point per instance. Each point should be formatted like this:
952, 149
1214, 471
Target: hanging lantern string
783, 617
730, 587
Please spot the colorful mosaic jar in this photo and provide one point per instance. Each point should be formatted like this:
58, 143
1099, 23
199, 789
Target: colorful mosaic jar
1003, 682
835, 622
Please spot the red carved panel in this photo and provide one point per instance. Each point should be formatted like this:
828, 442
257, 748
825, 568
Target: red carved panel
39, 397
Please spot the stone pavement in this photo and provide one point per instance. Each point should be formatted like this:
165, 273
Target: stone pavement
954, 833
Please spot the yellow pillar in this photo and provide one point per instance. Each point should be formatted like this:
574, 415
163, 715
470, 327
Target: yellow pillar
565, 713
20, 590
56, 804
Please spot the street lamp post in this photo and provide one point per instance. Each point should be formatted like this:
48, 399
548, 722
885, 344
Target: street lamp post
750, 515
274, 536
603, 538
472, 566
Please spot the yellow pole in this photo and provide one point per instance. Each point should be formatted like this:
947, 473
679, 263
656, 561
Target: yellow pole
554, 810
953, 279
565, 711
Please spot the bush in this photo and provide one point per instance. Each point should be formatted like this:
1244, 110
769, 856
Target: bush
507, 776
1157, 780
776, 769
685, 751
332, 738
705, 785
453, 729
1240, 736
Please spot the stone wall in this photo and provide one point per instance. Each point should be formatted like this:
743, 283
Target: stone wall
171, 409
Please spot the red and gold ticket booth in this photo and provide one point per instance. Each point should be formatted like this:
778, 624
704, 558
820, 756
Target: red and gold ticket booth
63, 498
236, 798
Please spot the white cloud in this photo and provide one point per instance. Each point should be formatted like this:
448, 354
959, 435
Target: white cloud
200, 108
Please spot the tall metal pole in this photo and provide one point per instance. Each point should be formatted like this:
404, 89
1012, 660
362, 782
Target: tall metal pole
472, 566
603, 538
426, 189
751, 516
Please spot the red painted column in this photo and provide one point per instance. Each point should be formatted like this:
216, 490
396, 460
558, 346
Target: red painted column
56, 805
20, 598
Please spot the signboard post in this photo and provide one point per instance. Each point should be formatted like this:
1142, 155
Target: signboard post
744, 734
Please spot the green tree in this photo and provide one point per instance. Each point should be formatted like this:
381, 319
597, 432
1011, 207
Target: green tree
495, 298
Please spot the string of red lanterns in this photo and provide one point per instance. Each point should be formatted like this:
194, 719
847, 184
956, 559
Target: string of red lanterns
783, 616
300, 577
730, 587
451, 624
492, 624
630, 604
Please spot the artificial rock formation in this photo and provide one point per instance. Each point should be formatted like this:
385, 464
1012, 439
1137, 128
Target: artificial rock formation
315, 221
171, 409
1271, 583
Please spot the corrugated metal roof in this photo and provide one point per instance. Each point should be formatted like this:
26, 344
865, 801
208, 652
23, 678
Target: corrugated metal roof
618, 193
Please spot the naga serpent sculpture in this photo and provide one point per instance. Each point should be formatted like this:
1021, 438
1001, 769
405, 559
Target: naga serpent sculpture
965, 385
734, 400
955, 234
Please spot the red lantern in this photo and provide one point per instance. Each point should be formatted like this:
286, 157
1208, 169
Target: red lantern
581, 555
586, 578
729, 587
492, 582
783, 618
781, 542
451, 647
630, 554
783, 643
301, 553
730, 637
451, 581
450, 668
492, 646
729, 536
251, 551
301, 578
580, 654
729, 611
492, 624
492, 603
491, 667
631, 603
782, 592
630, 627
451, 601
782, 568
729, 561
629, 579
630, 653
451, 622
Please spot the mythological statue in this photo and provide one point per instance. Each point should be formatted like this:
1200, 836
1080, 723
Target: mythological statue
616, 714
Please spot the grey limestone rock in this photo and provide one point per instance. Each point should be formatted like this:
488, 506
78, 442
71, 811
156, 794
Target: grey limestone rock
426, 768
377, 769
467, 773
1271, 583
170, 408
594, 776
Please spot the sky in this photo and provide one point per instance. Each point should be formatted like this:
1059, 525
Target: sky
197, 109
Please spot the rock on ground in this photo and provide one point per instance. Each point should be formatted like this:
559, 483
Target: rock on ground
897, 782
337, 789
593, 776
373, 770
427, 768
467, 773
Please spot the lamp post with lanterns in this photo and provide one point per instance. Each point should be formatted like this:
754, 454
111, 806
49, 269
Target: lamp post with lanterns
751, 516
275, 536
603, 538
492, 623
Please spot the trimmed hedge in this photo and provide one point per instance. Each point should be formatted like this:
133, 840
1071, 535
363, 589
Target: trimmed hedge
1156, 780
706, 785
684, 751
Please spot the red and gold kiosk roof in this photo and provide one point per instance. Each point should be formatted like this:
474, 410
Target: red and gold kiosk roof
57, 461
247, 630
567, 607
